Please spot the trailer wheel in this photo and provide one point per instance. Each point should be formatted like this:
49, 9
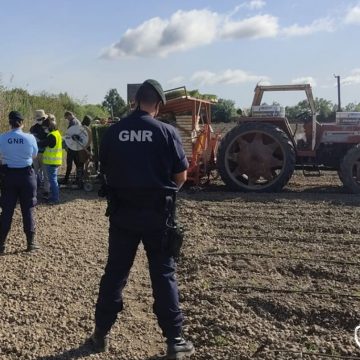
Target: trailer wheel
341, 177
256, 157
350, 170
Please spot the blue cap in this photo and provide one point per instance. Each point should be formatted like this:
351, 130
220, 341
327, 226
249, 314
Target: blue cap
15, 115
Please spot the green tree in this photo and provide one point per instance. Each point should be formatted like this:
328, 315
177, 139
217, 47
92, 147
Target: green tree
223, 110
293, 111
196, 94
352, 107
95, 111
325, 108
114, 103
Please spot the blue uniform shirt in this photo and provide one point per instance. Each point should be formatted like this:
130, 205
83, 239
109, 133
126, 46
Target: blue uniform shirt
17, 148
140, 152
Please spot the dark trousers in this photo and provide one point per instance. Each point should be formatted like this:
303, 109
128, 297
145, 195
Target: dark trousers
125, 233
18, 184
71, 157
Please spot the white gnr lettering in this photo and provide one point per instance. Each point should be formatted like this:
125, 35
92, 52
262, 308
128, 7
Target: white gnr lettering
135, 135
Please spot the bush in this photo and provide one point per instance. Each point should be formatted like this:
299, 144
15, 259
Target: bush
21, 100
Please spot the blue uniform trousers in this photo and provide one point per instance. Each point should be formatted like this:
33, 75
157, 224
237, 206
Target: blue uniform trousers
127, 229
18, 184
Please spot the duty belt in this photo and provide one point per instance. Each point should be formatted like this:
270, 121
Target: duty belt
18, 169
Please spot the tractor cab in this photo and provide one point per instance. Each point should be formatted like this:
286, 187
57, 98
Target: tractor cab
305, 127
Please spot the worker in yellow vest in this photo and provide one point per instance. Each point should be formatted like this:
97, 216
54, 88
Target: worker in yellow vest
52, 157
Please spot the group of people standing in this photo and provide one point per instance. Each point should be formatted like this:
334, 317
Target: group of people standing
49, 157
143, 165
41, 128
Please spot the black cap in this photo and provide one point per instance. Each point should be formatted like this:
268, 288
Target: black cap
158, 88
15, 115
87, 120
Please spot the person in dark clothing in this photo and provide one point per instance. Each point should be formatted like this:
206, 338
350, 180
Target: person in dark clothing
71, 155
17, 151
86, 121
144, 164
84, 155
40, 133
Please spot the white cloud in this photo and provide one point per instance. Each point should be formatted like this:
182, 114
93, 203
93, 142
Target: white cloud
319, 25
264, 82
353, 15
256, 4
228, 76
304, 80
184, 30
260, 26
352, 79
252, 5
176, 81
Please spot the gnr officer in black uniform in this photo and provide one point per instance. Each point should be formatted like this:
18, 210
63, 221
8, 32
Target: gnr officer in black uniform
144, 164
18, 150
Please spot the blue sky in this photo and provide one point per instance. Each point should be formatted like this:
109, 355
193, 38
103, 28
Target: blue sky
86, 47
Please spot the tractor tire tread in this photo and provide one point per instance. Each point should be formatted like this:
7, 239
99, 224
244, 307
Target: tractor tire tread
273, 131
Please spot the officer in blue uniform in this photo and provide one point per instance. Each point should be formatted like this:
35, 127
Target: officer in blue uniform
144, 164
17, 151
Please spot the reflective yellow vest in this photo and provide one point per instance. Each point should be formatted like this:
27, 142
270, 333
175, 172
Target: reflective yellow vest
53, 156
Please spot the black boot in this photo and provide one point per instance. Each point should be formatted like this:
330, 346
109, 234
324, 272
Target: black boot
178, 348
80, 177
2, 244
31, 242
99, 341
63, 181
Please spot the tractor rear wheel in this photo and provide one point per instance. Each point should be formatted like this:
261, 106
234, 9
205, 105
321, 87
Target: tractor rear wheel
256, 157
350, 170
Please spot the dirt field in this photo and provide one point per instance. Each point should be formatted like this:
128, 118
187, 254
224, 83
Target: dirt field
263, 276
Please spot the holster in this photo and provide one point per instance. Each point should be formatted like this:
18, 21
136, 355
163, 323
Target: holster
174, 235
3, 169
113, 203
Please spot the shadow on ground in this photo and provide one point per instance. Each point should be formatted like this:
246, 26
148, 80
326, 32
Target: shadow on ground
84, 350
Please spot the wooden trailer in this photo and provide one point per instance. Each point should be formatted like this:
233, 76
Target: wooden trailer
192, 117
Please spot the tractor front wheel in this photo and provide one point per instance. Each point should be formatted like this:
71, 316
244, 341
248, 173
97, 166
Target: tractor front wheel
350, 170
256, 157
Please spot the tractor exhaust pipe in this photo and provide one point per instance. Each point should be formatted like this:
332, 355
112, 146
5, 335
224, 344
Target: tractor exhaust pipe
338, 89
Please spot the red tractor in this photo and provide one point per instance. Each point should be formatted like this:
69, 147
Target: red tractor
261, 153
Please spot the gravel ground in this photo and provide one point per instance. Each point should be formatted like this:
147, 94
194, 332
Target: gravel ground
263, 276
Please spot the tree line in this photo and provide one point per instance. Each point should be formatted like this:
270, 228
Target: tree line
113, 105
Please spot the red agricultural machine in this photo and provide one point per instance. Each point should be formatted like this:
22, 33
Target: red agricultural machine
192, 117
261, 153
